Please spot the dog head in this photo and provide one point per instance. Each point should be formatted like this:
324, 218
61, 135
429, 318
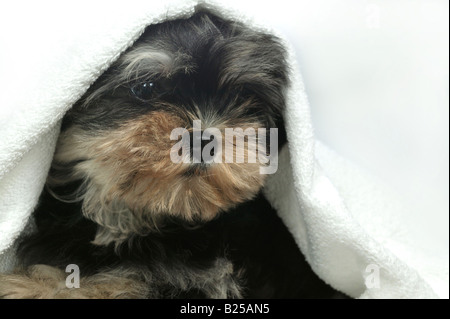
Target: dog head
118, 140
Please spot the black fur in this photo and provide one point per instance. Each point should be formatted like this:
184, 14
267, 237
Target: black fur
211, 45
252, 236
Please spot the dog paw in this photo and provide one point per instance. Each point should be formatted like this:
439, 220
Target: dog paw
46, 282
36, 282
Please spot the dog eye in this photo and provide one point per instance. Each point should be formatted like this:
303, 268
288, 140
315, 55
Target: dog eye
143, 91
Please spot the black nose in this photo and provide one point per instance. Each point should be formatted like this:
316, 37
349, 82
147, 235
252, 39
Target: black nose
197, 144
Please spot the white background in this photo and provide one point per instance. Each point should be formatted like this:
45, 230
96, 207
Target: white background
377, 77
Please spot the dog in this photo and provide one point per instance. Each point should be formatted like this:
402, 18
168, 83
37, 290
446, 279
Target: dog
139, 225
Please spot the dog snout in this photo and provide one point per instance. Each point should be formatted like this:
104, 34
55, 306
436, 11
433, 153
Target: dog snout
197, 146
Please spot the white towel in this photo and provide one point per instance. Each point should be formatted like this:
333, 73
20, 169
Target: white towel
348, 229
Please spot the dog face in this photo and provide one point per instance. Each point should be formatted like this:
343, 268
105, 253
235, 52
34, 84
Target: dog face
116, 141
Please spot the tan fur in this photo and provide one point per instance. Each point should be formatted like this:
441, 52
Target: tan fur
132, 182
220, 280
46, 282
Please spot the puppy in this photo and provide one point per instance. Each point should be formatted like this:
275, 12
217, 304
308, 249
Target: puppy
136, 223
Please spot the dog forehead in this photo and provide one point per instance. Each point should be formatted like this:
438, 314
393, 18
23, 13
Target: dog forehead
146, 60
174, 46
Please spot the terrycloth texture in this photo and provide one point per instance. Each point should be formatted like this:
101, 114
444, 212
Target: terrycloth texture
346, 232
